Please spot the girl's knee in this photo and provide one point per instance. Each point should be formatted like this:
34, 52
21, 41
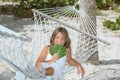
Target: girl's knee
49, 71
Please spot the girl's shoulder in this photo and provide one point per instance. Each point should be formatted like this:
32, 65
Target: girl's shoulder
46, 48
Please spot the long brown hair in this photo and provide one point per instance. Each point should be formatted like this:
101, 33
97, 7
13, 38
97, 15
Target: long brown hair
64, 31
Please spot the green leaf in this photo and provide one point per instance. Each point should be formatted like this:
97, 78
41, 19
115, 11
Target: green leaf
61, 50
45, 0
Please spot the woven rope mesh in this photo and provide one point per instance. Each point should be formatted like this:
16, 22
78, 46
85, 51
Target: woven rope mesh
11, 49
12, 52
81, 43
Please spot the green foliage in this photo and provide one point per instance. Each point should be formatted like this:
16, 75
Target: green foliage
18, 11
104, 4
61, 50
112, 25
118, 23
8, 9
23, 12
9, 0
24, 9
46, 3
117, 2
116, 9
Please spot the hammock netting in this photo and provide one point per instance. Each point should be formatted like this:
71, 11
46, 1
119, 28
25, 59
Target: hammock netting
80, 27
12, 52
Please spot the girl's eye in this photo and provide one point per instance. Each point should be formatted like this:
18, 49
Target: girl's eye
56, 37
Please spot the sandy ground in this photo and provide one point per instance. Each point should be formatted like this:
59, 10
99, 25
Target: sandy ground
109, 67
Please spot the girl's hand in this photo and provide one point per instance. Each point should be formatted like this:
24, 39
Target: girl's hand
80, 70
38, 67
54, 58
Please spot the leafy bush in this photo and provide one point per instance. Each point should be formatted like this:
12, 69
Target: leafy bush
23, 12
104, 4
117, 9
7, 9
24, 9
17, 10
46, 3
112, 25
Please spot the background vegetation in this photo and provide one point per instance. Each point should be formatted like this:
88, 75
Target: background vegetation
112, 25
25, 6
23, 10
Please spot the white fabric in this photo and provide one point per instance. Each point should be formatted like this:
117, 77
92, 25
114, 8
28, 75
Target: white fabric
58, 67
20, 76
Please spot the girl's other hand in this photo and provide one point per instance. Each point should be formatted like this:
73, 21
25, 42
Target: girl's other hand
54, 58
38, 68
80, 70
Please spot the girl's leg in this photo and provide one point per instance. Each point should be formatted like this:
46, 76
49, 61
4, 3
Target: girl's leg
49, 71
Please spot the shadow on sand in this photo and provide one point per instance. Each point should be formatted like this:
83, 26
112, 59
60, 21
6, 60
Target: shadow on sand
104, 74
108, 62
14, 23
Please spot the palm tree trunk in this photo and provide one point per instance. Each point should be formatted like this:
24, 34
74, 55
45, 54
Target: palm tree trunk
90, 9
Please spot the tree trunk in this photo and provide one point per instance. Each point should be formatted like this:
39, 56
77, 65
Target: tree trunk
90, 8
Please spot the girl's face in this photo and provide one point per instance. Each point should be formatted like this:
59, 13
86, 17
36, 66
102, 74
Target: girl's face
59, 39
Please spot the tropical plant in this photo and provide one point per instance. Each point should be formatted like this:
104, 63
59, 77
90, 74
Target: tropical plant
104, 4
112, 25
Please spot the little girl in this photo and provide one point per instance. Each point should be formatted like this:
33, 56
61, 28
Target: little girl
52, 64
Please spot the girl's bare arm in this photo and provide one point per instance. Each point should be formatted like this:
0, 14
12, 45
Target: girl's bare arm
72, 61
42, 56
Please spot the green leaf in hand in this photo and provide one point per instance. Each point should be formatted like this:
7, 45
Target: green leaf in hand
57, 48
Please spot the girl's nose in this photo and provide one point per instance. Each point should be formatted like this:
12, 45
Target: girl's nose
59, 42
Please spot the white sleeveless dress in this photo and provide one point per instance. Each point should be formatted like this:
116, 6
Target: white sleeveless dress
58, 66
58, 69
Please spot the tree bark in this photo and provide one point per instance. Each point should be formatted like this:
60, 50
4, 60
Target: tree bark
90, 8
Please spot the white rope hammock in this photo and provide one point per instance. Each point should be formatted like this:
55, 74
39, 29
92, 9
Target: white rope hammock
81, 29
11, 51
